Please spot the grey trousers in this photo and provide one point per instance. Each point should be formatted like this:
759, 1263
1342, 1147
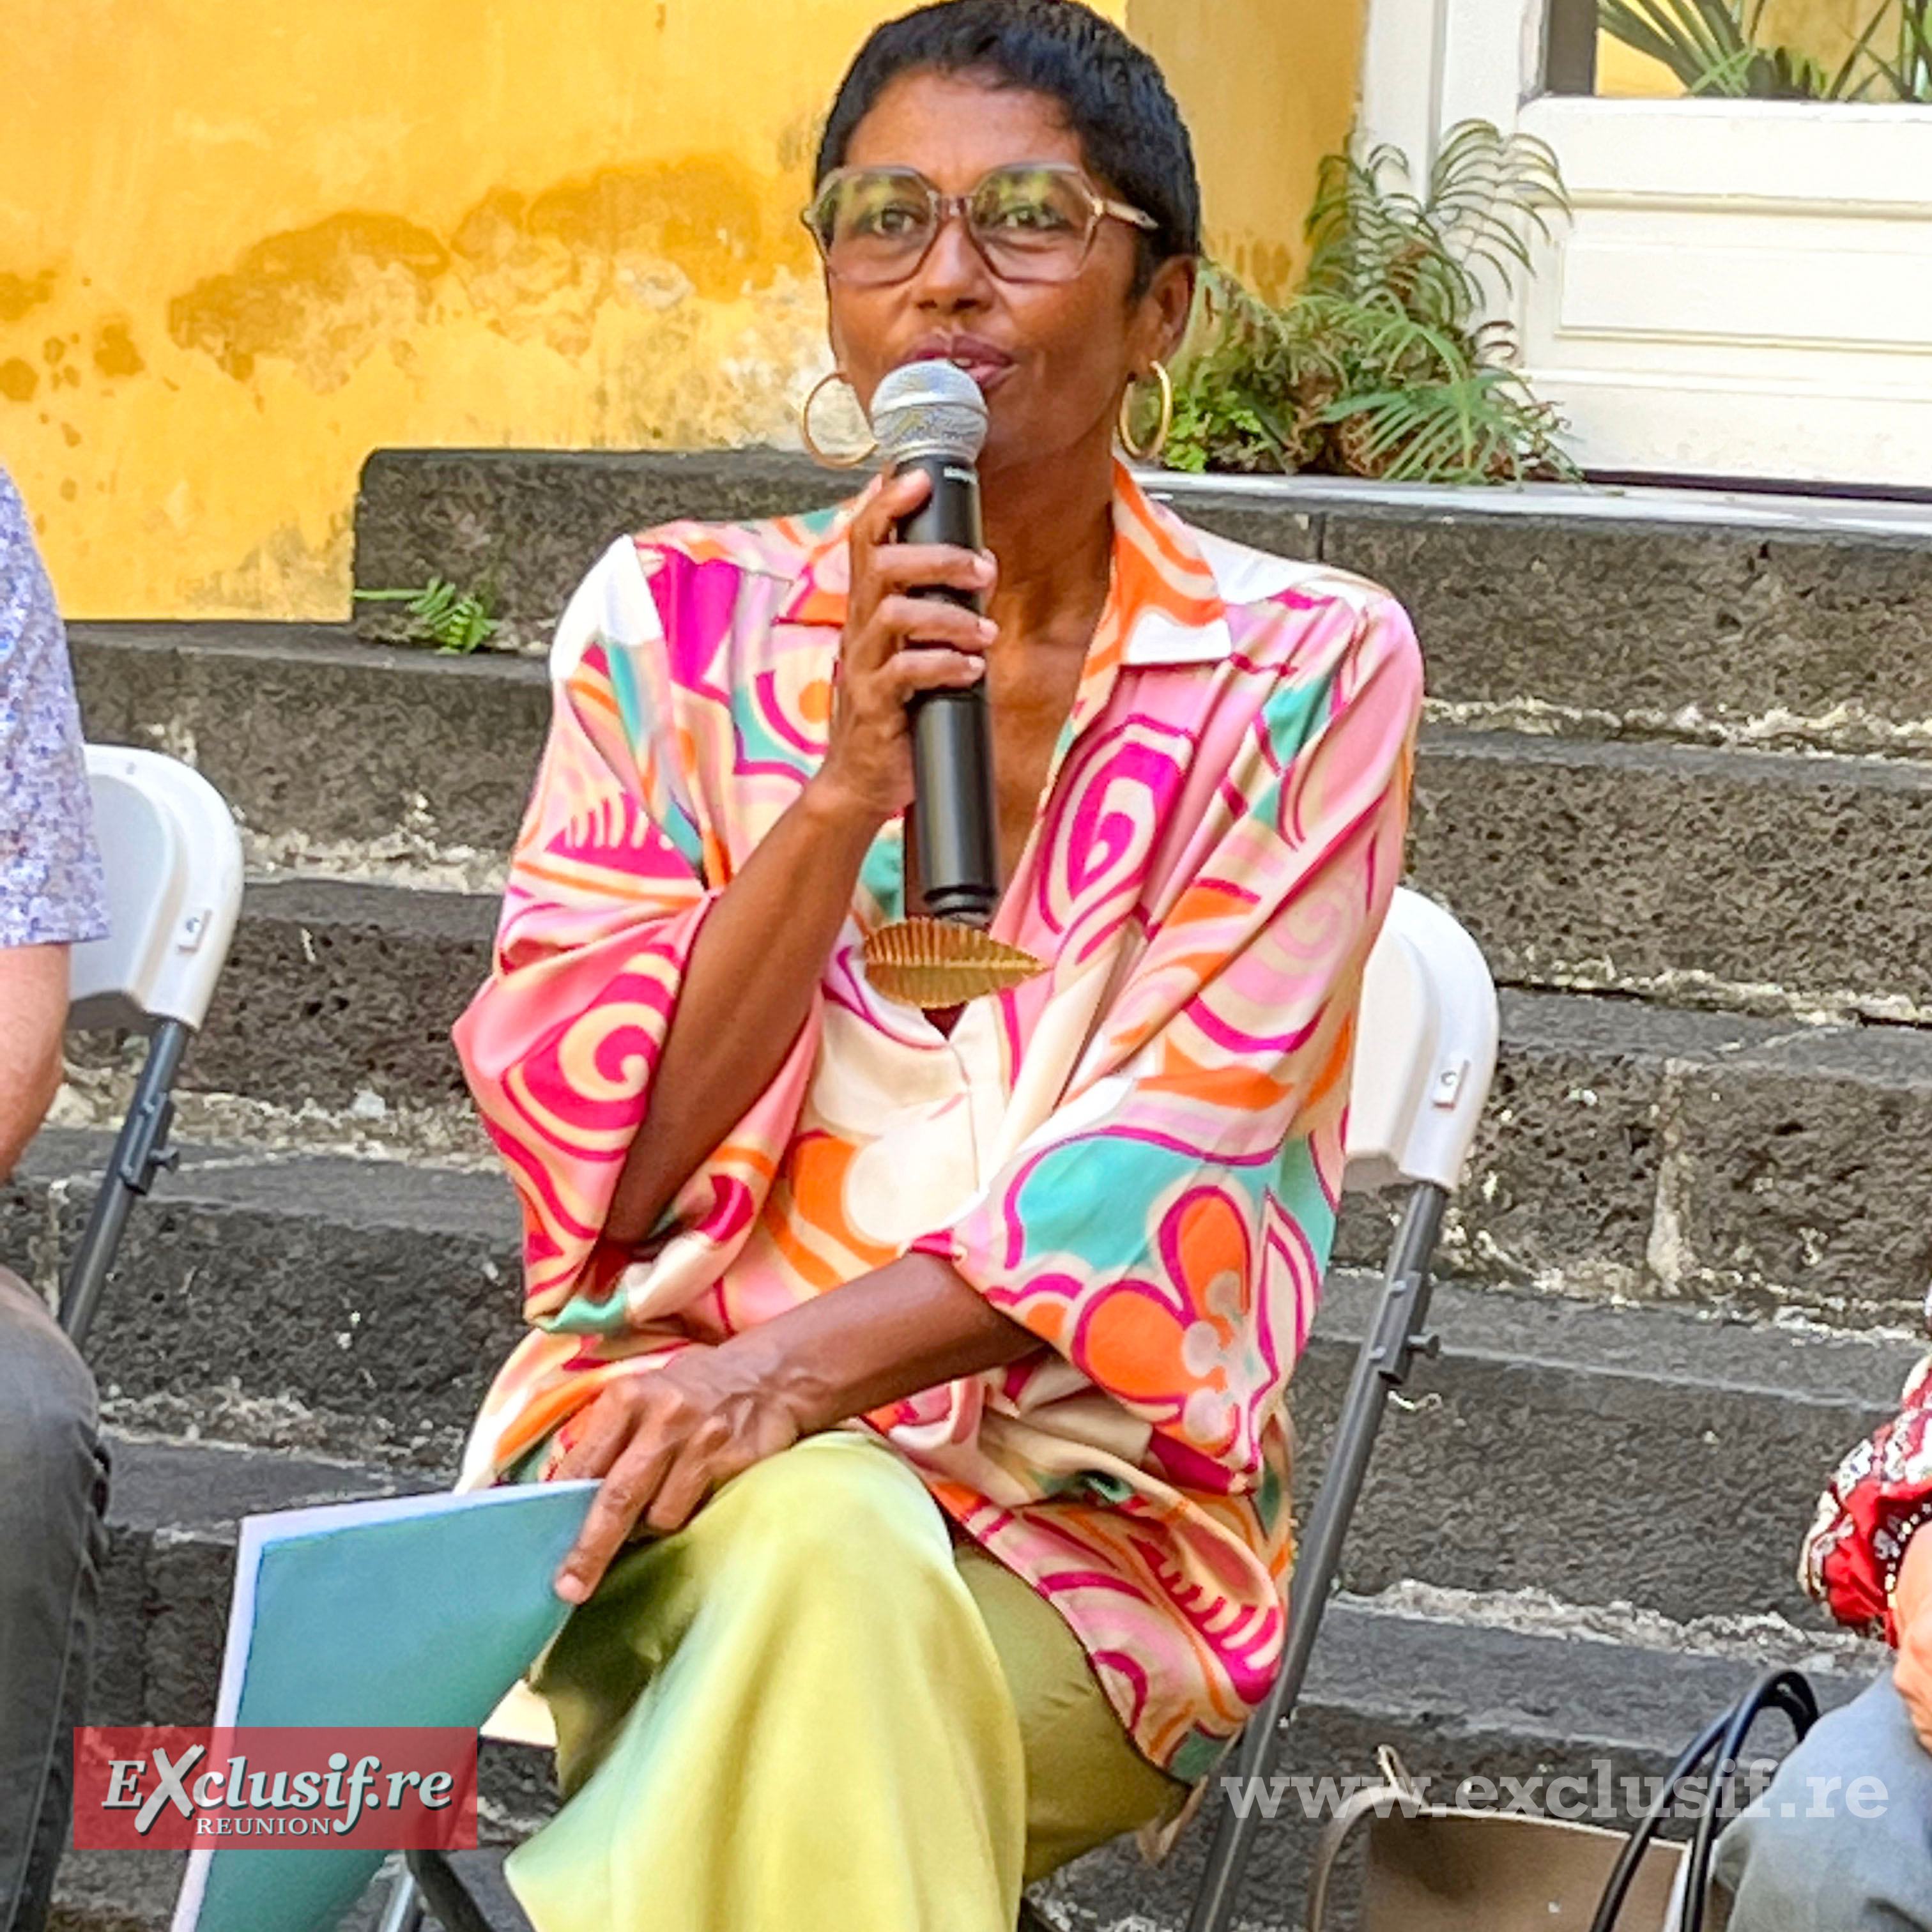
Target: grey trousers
53, 1543
1824, 1868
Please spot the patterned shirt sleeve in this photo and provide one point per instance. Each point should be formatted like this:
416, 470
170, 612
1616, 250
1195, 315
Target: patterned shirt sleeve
1213, 1098
1879, 1496
614, 872
51, 889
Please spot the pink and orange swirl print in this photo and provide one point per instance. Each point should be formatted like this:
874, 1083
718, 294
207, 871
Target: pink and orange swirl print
1137, 1155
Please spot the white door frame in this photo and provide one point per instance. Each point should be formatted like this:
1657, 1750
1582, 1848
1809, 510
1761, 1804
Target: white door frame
1429, 64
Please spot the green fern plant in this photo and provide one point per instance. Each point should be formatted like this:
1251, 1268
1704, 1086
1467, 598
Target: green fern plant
1383, 364
442, 615
1715, 48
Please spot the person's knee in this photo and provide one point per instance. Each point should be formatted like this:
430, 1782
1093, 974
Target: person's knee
1794, 1874
837, 1510
48, 1436
1841, 1841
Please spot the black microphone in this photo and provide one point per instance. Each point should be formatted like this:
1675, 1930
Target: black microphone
931, 416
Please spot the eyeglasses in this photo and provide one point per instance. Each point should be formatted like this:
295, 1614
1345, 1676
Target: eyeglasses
1032, 222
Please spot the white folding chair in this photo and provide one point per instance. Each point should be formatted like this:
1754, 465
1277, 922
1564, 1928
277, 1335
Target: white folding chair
173, 863
1425, 1055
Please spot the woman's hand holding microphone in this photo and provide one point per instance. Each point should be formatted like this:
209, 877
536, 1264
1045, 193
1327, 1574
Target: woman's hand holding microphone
895, 644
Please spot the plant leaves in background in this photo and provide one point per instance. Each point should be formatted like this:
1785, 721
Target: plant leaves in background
441, 615
1386, 363
1713, 49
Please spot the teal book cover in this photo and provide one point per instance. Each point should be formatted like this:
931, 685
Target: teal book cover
412, 1610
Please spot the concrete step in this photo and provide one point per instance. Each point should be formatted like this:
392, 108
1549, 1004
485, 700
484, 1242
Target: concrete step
174, 1511
1632, 1147
1456, 1701
1744, 618
1600, 1453
338, 998
1759, 877
356, 1309
325, 745
1642, 1151
1459, 1697
336, 987
1682, 612
529, 524
1765, 876
134, 1891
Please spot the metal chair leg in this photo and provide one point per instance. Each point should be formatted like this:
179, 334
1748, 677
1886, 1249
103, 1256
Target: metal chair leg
447, 1897
141, 1151
1382, 1365
403, 1912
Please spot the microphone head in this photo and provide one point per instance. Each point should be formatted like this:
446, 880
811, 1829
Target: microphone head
929, 409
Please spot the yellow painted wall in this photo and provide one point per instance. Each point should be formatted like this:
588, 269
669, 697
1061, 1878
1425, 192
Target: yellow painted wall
242, 243
1624, 74
1268, 87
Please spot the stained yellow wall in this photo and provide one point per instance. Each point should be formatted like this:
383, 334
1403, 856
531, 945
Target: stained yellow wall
1624, 74
242, 243
1268, 87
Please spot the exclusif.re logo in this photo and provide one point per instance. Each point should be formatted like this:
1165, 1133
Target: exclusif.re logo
386, 1789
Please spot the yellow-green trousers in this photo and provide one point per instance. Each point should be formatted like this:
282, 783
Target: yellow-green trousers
810, 1710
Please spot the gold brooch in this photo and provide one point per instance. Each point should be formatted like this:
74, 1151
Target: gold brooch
937, 962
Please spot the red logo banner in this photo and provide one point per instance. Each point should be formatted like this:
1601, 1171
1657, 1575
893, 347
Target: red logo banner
179, 1786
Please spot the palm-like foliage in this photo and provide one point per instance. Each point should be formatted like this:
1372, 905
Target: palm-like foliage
1716, 48
1381, 365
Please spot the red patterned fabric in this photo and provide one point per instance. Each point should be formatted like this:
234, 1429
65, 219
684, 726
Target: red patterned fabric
1882, 1492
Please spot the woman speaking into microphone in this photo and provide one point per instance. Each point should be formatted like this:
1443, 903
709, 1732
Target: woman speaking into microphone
933, 1363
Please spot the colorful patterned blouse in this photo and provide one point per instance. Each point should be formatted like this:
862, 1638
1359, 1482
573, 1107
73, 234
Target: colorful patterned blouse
1135, 1155
1880, 1496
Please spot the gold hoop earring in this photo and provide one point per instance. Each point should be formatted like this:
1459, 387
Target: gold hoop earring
1150, 452
830, 460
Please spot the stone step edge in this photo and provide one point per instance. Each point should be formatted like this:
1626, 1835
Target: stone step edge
1464, 1633
1452, 1698
474, 1192
1654, 1342
1767, 512
1847, 729
1777, 748
1757, 1411
1706, 1016
173, 1490
1698, 1026
341, 645
176, 1489
1552, 883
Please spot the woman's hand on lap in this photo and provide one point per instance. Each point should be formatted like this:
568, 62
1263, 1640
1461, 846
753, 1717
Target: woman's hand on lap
663, 1441
867, 769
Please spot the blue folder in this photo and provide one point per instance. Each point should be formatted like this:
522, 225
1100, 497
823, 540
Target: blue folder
414, 1610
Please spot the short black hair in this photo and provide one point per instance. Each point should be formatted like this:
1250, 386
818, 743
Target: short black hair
1115, 98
